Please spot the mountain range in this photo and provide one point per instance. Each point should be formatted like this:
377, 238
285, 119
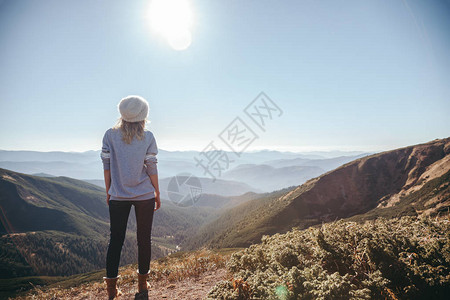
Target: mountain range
59, 225
249, 172
408, 181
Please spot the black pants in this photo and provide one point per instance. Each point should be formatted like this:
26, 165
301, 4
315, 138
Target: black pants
118, 214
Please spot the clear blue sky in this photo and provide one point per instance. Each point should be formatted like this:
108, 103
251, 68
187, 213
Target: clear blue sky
359, 75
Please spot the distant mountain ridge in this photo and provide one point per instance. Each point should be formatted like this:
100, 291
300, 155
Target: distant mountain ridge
269, 178
324, 163
407, 181
264, 170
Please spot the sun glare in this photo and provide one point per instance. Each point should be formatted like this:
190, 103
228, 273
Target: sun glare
173, 20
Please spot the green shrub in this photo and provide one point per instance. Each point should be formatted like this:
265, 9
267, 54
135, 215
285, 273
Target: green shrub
406, 258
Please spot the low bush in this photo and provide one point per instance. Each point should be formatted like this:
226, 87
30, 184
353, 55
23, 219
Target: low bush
405, 258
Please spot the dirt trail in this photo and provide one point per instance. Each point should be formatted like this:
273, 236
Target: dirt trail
189, 288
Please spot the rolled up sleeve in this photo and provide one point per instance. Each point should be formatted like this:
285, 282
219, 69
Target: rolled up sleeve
106, 154
150, 158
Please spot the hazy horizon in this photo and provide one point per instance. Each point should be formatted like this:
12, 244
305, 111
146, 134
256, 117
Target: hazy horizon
299, 150
199, 150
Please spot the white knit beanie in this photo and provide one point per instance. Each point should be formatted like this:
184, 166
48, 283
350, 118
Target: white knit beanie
133, 108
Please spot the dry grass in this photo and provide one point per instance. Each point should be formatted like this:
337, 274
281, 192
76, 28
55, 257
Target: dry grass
178, 267
164, 272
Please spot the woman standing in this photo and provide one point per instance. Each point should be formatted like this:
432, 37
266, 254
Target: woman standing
131, 179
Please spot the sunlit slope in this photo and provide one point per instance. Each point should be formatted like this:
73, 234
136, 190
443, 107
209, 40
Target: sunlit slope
407, 181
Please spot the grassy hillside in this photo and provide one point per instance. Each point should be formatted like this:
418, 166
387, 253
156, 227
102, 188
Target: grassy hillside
234, 225
407, 181
31, 203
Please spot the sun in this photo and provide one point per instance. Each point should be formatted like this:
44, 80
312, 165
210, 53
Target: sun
172, 19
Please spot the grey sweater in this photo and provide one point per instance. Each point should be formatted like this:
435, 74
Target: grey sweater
130, 165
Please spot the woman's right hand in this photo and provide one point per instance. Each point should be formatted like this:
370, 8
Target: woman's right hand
157, 201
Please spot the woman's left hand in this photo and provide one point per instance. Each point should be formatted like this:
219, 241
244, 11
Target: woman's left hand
107, 198
157, 201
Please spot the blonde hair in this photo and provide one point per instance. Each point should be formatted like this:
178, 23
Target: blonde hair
131, 130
